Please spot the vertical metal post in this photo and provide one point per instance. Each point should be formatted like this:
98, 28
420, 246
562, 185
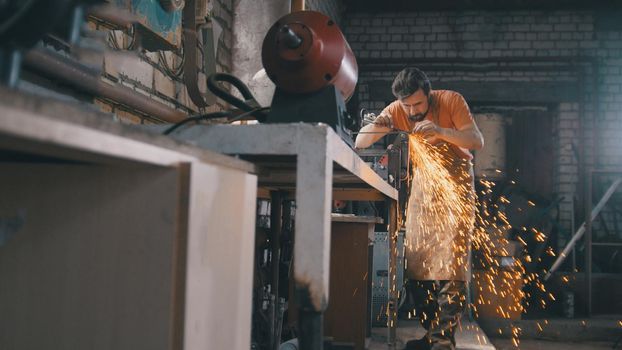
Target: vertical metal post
298, 5
588, 243
77, 18
311, 330
392, 285
276, 206
314, 184
10, 64
398, 163
573, 227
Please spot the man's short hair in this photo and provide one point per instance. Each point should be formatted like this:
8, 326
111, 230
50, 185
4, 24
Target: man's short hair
408, 81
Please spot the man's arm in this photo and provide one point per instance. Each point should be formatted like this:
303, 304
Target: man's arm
369, 134
468, 136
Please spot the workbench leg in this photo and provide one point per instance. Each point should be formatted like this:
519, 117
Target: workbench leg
393, 292
311, 329
312, 243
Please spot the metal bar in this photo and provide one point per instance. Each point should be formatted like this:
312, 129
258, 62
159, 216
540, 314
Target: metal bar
392, 285
596, 142
594, 212
588, 243
88, 80
573, 226
464, 67
473, 61
371, 152
314, 170
276, 214
119, 18
397, 156
190, 42
581, 151
610, 172
298, 5
608, 244
378, 132
311, 330
10, 64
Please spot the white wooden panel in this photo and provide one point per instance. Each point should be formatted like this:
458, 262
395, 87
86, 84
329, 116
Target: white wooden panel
221, 240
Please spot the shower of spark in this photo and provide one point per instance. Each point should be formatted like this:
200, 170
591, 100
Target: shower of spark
445, 202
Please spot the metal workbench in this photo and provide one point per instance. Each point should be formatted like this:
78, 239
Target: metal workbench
315, 165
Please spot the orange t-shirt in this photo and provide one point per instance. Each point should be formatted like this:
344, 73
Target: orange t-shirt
448, 109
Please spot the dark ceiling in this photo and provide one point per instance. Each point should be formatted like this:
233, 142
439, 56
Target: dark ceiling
462, 5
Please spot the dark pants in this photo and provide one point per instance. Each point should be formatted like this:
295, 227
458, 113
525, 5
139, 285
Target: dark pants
439, 305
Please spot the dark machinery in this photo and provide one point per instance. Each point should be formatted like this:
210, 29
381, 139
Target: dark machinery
24, 22
306, 55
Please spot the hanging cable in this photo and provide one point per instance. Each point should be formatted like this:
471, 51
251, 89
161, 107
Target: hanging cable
172, 71
249, 103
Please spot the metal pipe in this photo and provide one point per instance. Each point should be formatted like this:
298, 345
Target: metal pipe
311, 325
588, 245
276, 214
392, 285
87, 79
118, 18
10, 64
476, 64
490, 60
298, 5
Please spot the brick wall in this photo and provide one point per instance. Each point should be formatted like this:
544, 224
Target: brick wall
146, 72
331, 8
578, 55
222, 11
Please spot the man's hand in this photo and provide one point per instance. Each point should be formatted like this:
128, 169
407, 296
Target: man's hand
384, 120
374, 131
428, 130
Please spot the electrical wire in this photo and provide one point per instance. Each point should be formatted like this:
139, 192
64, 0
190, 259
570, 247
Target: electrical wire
213, 115
241, 116
200, 117
112, 39
172, 71
248, 104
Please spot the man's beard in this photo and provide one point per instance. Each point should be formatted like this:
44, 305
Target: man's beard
417, 117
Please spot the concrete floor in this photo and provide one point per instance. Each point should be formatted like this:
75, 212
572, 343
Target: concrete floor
576, 330
597, 333
533, 344
468, 337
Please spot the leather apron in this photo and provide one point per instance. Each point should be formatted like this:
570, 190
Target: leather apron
438, 234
